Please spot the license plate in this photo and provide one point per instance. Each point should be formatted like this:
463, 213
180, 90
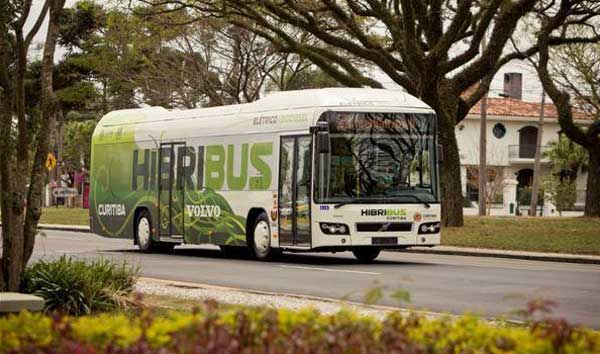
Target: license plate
384, 240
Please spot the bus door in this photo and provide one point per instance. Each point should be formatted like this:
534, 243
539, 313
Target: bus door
170, 191
295, 162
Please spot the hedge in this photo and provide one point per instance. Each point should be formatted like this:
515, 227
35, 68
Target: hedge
250, 330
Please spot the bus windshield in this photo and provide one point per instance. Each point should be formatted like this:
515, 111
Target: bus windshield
378, 158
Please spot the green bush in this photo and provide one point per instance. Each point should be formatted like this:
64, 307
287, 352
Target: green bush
524, 196
75, 287
252, 330
562, 192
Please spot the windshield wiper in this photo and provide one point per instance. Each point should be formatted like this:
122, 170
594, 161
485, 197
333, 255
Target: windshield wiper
417, 198
351, 201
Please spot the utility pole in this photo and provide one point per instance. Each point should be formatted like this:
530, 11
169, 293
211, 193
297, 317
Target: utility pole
538, 156
483, 147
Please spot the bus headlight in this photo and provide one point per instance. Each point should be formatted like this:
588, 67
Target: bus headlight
429, 228
330, 228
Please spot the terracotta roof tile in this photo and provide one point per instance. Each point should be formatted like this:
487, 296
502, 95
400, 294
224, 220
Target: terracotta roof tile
517, 108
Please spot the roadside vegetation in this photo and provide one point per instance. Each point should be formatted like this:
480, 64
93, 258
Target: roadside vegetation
65, 216
211, 328
91, 308
77, 287
548, 234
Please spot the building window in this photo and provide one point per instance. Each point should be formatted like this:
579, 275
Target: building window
499, 130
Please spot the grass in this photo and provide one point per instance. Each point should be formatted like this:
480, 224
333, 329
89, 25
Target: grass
160, 304
64, 216
557, 234
561, 235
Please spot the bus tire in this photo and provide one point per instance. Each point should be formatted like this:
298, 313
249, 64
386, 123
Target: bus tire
366, 254
143, 233
261, 239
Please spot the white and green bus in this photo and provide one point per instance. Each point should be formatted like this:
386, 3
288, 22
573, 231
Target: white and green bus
338, 169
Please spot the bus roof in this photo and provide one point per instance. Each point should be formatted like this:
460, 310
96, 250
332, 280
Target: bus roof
244, 118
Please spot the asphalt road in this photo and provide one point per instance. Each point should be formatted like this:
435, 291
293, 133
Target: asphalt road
440, 283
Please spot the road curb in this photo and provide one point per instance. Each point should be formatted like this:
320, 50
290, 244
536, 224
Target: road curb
531, 256
71, 228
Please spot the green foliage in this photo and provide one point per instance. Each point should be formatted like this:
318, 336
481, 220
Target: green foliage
401, 295
374, 295
77, 143
77, 288
562, 192
309, 78
79, 23
211, 329
524, 196
565, 155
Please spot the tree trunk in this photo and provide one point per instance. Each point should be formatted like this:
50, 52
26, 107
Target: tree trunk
451, 191
592, 196
49, 109
21, 204
445, 105
13, 202
537, 164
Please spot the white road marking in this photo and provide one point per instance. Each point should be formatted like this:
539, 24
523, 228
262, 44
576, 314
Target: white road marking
330, 270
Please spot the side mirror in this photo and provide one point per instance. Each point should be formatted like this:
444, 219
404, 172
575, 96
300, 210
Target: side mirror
440, 153
321, 131
323, 142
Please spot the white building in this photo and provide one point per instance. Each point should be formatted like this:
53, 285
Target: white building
512, 127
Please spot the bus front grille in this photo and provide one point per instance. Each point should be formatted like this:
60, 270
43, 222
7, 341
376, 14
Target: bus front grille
384, 226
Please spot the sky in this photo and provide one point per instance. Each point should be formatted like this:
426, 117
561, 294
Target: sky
532, 88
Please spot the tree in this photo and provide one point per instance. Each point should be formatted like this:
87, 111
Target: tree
561, 191
24, 135
78, 139
430, 48
567, 158
138, 57
584, 61
494, 184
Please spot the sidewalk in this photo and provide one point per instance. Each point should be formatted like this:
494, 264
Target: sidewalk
444, 250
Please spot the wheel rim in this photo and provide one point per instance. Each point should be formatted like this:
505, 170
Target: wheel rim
143, 231
262, 238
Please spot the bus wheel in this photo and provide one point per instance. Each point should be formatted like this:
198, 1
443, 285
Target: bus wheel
366, 254
261, 239
144, 233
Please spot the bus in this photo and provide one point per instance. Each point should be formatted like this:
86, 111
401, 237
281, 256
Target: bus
337, 169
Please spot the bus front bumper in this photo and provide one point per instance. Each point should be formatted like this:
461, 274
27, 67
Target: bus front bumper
380, 239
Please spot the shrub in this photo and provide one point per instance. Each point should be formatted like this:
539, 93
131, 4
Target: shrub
561, 192
256, 330
75, 287
524, 196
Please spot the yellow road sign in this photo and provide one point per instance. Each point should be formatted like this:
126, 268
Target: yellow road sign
50, 161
